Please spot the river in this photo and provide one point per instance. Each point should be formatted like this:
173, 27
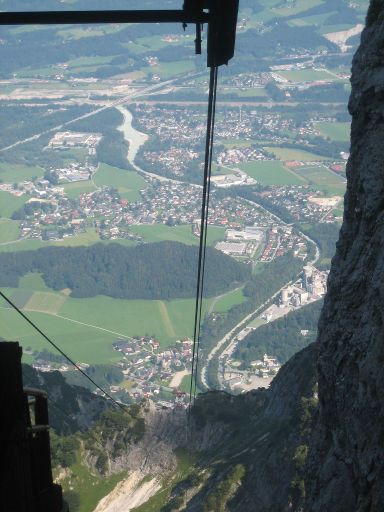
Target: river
134, 138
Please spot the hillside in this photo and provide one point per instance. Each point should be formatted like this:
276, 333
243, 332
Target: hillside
227, 460
346, 464
164, 270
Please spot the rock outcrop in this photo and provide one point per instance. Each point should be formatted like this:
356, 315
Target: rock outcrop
346, 463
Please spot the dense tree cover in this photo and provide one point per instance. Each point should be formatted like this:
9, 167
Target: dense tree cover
164, 270
254, 194
334, 93
281, 338
280, 40
104, 374
65, 415
326, 236
258, 289
218, 499
118, 427
63, 450
113, 148
14, 117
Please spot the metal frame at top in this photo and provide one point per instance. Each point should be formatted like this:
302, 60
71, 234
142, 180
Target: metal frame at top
90, 17
219, 15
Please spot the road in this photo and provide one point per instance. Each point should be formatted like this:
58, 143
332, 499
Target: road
248, 318
228, 336
121, 101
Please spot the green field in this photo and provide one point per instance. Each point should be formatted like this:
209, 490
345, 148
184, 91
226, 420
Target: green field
257, 322
228, 300
85, 62
150, 233
85, 328
335, 131
297, 7
316, 19
14, 173
45, 302
249, 92
307, 75
183, 233
33, 281
128, 183
294, 154
9, 230
89, 31
10, 203
170, 69
73, 190
323, 179
270, 172
88, 238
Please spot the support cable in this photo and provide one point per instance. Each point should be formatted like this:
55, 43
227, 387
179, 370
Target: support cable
203, 229
73, 363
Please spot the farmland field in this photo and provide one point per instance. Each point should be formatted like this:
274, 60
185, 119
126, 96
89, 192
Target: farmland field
85, 328
169, 69
335, 131
297, 7
14, 173
248, 92
128, 183
87, 238
320, 177
10, 203
270, 172
294, 154
9, 231
229, 299
73, 190
307, 75
45, 302
183, 233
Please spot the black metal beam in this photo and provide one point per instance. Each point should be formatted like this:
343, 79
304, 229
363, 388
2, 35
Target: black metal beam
85, 17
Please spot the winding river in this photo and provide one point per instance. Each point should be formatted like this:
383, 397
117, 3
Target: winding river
134, 138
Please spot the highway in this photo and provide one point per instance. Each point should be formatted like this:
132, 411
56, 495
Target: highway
229, 337
121, 101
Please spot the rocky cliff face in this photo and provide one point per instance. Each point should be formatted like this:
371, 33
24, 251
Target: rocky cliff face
346, 464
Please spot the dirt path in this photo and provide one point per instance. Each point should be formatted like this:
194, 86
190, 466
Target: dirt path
178, 378
166, 319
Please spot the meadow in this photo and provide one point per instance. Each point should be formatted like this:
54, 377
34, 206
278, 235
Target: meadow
322, 178
128, 183
183, 233
335, 131
270, 172
10, 203
285, 154
14, 173
86, 328
9, 231
75, 189
308, 75
229, 299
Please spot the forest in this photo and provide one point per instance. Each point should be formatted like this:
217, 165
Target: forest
281, 338
164, 270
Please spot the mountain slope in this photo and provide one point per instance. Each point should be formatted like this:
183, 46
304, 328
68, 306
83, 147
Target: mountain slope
346, 468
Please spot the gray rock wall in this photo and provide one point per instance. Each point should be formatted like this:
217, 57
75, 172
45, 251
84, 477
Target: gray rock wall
346, 463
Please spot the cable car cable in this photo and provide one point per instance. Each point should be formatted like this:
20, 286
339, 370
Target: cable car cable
203, 227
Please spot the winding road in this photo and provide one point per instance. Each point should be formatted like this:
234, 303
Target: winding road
230, 337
